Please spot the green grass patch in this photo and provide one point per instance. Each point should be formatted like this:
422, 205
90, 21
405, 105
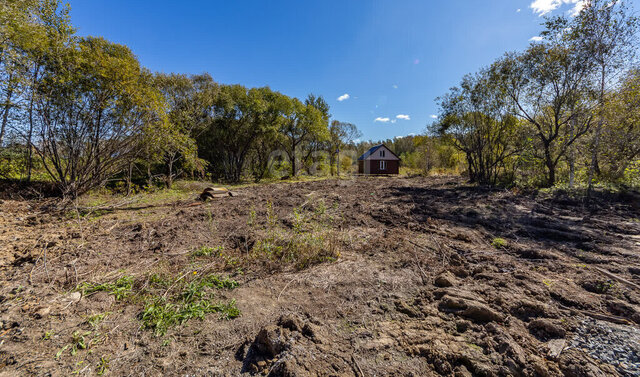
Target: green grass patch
191, 300
120, 289
95, 319
206, 251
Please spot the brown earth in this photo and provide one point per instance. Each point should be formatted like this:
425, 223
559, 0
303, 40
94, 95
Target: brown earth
416, 282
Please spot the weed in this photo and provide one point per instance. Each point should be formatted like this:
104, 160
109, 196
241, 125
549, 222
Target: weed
228, 310
499, 243
95, 319
192, 302
272, 218
103, 364
160, 281
120, 289
61, 351
78, 342
47, 335
160, 315
321, 208
214, 281
251, 221
298, 221
206, 251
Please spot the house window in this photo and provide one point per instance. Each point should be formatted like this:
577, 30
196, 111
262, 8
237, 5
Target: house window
382, 153
383, 165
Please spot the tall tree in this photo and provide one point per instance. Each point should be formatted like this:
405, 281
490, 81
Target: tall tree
93, 103
479, 118
549, 87
302, 123
605, 31
340, 134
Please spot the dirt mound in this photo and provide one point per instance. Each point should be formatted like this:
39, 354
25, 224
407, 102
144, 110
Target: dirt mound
283, 350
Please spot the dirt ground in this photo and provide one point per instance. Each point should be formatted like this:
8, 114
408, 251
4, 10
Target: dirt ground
402, 277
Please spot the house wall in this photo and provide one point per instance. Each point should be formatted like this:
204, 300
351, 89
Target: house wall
373, 167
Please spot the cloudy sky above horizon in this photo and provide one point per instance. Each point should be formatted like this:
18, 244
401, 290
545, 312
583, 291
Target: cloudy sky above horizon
380, 64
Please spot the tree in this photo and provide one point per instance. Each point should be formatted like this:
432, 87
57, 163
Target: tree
549, 87
479, 118
315, 144
301, 123
621, 127
604, 31
340, 134
173, 142
94, 101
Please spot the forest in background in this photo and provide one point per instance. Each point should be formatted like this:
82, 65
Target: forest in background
83, 113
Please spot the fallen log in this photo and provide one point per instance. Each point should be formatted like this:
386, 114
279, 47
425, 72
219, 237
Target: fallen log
617, 278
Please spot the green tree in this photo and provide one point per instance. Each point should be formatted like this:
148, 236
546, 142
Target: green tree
302, 123
548, 85
605, 31
94, 102
479, 118
340, 134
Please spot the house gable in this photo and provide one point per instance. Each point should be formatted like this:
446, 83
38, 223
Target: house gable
381, 152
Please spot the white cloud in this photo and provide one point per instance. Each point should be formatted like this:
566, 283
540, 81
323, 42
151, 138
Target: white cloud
343, 97
403, 117
518, 10
395, 86
393, 120
411, 134
542, 7
382, 120
536, 39
433, 116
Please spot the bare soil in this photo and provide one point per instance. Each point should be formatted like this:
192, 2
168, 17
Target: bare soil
426, 276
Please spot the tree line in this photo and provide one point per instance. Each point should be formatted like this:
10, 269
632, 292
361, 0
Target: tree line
564, 111
80, 111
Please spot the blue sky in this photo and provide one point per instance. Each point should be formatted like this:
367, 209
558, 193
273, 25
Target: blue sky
392, 58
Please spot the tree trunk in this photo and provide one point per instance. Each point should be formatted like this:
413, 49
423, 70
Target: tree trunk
571, 156
596, 141
129, 173
5, 115
551, 178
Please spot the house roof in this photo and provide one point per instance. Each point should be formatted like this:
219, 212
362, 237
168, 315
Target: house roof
372, 151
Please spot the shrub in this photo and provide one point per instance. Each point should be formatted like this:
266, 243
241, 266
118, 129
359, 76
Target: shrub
499, 243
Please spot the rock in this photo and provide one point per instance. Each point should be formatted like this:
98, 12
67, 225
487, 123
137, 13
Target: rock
71, 298
556, 346
474, 310
290, 322
272, 340
481, 313
42, 312
462, 371
544, 328
446, 279
404, 308
462, 325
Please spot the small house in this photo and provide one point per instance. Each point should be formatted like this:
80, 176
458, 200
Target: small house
379, 160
